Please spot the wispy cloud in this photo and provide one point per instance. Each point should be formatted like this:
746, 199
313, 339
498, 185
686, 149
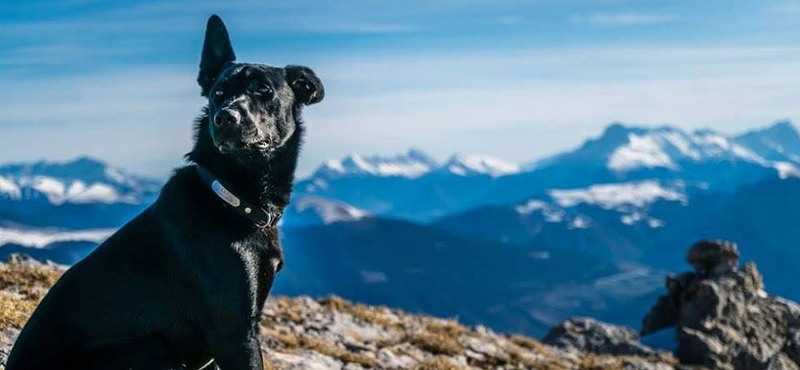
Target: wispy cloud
535, 102
58, 54
623, 19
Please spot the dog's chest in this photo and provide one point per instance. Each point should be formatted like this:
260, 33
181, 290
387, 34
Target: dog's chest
261, 259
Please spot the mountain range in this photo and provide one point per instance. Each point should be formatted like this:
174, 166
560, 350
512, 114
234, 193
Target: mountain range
415, 187
591, 231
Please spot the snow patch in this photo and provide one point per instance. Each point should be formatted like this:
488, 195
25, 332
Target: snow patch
579, 222
78, 193
39, 238
10, 188
667, 147
785, 170
614, 196
330, 211
550, 213
470, 165
51, 188
641, 151
411, 165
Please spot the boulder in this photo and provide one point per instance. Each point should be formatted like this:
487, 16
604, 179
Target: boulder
587, 335
723, 317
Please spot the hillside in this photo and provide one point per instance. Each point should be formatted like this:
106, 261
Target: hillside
720, 314
331, 333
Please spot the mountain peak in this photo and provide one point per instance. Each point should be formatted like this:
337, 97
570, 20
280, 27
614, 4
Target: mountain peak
779, 142
624, 148
472, 165
411, 164
782, 127
81, 180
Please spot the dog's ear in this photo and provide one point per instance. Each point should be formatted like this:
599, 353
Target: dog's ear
217, 51
306, 85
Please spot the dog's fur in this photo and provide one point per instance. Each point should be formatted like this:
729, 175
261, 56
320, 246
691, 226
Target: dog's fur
185, 281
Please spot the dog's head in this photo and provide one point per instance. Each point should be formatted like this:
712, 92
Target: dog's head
251, 107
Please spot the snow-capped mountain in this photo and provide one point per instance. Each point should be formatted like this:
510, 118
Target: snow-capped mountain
81, 181
413, 186
82, 193
478, 165
311, 210
405, 185
624, 149
777, 143
410, 165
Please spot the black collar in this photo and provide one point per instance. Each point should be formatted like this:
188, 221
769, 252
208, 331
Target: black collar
261, 218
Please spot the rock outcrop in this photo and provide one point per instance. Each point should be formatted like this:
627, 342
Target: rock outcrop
723, 317
587, 335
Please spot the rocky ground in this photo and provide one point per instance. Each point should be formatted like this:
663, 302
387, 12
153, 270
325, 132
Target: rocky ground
723, 317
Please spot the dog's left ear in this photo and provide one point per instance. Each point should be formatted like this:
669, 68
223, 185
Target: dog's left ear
217, 51
306, 85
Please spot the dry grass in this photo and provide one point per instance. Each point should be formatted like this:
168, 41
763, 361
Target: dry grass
436, 343
438, 363
12, 274
367, 314
14, 312
30, 284
23, 286
288, 311
289, 341
606, 362
446, 327
341, 354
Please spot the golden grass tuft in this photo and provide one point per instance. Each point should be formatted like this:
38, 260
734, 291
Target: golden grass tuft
607, 362
12, 274
436, 343
446, 327
30, 283
289, 341
14, 312
268, 365
438, 363
341, 354
367, 314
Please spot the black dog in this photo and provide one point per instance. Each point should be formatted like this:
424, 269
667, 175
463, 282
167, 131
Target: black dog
183, 284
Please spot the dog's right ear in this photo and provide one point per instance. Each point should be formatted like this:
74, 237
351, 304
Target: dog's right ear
217, 51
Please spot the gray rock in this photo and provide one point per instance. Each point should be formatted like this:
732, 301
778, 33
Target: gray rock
723, 317
589, 335
713, 257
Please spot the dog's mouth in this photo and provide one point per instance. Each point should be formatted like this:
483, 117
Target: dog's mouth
229, 144
227, 147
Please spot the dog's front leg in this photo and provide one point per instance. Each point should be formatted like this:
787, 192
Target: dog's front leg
237, 353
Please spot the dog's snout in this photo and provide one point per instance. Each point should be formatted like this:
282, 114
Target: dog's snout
226, 117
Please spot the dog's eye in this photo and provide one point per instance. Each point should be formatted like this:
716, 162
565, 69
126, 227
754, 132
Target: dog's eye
218, 94
262, 89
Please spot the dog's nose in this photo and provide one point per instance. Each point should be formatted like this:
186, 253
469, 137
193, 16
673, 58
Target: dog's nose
226, 117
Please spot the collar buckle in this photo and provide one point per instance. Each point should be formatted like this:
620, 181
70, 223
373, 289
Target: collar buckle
263, 219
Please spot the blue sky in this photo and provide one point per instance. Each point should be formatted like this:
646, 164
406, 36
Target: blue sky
510, 78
